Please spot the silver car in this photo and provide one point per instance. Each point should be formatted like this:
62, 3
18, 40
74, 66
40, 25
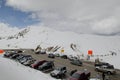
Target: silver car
106, 69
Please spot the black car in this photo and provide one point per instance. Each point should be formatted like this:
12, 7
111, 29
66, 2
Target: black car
25, 58
51, 55
47, 66
64, 56
22, 60
59, 72
19, 51
14, 56
76, 62
19, 57
73, 71
8, 54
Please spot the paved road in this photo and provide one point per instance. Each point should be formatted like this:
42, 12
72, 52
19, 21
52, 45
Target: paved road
65, 62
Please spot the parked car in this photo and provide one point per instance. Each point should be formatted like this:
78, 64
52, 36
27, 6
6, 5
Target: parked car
57, 55
37, 63
106, 69
14, 56
25, 58
29, 62
8, 54
72, 58
37, 52
73, 71
102, 63
80, 75
94, 78
76, 62
64, 56
46, 66
59, 72
51, 55
19, 57
43, 51
19, 51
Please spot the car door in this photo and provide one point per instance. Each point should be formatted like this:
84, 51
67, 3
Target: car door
103, 68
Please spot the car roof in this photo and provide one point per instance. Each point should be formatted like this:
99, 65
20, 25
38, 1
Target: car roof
82, 72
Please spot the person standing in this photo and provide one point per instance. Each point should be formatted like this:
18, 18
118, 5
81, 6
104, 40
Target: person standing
98, 76
103, 76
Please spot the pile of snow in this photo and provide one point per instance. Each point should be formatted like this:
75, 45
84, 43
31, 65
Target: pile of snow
46, 37
11, 70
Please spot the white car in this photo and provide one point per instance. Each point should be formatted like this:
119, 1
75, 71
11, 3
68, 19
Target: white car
94, 79
106, 69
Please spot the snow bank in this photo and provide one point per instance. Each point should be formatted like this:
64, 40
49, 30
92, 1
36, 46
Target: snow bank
11, 70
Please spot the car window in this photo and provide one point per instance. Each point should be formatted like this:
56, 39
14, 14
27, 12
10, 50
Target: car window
58, 68
110, 67
76, 75
44, 64
36, 62
64, 68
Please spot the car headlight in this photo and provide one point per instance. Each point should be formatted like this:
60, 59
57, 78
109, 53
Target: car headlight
53, 74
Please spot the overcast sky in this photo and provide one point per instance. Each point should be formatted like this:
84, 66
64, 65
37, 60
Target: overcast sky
81, 16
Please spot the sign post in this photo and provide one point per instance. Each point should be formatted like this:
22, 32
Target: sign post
62, 50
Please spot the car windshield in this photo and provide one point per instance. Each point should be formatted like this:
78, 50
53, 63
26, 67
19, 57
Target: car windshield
76, 75
110, 67
44, 64
58, 68
36, 62
50, 54
77, 61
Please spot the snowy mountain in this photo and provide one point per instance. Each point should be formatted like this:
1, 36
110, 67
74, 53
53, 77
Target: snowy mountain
30, 37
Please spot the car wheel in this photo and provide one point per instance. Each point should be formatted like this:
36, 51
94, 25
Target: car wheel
96, 69
58, 76
109, 72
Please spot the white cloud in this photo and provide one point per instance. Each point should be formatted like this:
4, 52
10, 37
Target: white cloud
86, 16
107, 26
6, 29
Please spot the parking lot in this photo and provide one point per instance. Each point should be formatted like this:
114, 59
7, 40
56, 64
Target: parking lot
65, 62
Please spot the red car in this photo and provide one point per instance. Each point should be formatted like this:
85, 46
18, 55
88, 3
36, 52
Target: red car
80, 75
37, 63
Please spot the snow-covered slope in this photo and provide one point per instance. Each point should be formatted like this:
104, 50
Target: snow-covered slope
46, 37
11, 70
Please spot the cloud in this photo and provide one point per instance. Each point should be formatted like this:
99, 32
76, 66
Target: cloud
0, 4
81, 16
107, 26
6, 29
4, 26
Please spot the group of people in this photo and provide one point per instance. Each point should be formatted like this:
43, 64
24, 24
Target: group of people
104, 76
